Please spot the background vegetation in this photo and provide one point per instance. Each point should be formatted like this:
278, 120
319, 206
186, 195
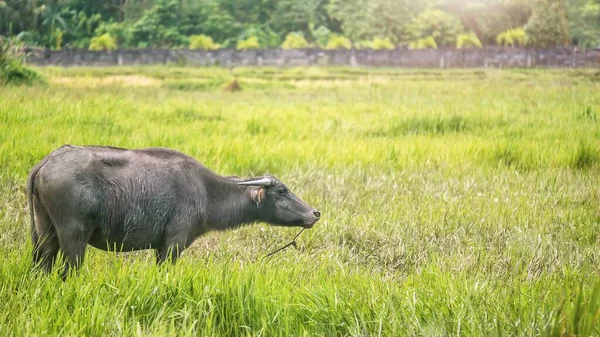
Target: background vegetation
454, 202
173, 23
13, 71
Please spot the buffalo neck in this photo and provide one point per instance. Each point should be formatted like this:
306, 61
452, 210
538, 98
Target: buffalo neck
229, 205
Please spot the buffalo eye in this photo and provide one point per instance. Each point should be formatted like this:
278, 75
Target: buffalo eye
282, 190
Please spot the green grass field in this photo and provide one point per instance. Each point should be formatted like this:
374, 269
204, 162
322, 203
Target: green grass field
458, 202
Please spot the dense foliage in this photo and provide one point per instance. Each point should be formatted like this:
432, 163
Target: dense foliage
12, 67
171, 23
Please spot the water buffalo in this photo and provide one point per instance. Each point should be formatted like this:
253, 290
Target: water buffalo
119, 199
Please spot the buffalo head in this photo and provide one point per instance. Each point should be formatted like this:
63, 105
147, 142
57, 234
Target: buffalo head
278, 205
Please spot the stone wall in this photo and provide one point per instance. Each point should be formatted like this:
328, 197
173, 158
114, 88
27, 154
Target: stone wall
491, 57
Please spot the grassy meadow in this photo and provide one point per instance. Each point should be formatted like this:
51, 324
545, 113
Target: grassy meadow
457, 202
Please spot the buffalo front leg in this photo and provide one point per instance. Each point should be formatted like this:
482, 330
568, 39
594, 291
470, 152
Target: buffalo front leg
169, 253
172, 247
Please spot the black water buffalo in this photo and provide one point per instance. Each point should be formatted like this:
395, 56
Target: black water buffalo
130, 199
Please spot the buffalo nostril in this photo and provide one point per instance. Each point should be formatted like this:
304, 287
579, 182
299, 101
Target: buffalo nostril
317, 214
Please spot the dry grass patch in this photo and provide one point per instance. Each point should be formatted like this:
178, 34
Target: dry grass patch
93, 82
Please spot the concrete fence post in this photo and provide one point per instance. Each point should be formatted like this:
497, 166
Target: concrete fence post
353, 62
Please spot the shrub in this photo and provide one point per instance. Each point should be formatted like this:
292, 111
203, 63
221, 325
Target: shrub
294, 41
428, 42
203, 42
467, 41
338, 42
321, 36
103, 42
266, 37
249, 43
12, 68
362, 44
511, 37
378, 44
117, 30
58, 38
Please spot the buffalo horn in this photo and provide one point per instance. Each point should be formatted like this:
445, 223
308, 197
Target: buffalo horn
258, 182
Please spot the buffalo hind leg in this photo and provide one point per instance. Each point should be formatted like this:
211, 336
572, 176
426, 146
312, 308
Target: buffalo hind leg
73, 241
44, 238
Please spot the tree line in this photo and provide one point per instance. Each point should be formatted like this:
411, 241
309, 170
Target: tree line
246, 24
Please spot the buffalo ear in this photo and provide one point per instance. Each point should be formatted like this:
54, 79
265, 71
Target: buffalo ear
258, 195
